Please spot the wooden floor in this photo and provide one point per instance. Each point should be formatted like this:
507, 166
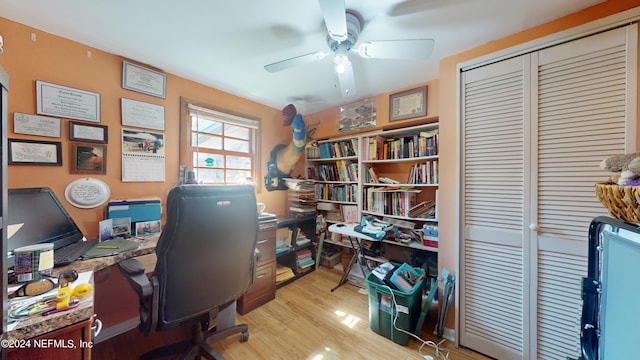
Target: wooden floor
305, 321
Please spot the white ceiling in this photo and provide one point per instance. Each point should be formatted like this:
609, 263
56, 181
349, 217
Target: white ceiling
225, 44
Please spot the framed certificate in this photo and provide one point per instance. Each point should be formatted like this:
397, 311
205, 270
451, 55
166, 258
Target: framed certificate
67, 102
408, 104
32, 152
88, 132
143, 80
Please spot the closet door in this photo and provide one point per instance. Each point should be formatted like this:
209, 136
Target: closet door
493, 289
582, 112
534, 130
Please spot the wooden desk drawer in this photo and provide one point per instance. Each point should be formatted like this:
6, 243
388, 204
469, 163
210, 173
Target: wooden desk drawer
262, 291
267, 246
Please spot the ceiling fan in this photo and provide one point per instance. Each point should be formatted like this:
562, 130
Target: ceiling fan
343, 28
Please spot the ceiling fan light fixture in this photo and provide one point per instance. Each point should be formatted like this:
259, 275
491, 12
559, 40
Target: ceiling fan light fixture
342, 62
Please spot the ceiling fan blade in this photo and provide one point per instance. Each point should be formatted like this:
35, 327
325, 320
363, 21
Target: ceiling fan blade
335, 18
397, 49
295, 61
347, 81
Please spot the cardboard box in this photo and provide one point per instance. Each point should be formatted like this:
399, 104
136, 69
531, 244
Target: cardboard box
330, 260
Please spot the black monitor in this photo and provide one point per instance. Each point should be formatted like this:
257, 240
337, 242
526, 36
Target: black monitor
35, 215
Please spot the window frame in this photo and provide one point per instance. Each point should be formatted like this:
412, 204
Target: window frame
187, 150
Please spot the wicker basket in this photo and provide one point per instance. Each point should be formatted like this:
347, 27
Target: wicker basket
623, 202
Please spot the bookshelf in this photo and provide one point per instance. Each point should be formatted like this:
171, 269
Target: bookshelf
397, 181
295, 246
333, 165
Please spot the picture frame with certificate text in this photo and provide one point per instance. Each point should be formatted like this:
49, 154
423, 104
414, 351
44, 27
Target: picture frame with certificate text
67, 102
88, 132
88, 158
143, 80
33, 152
408, 104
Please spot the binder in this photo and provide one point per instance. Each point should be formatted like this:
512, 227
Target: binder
137, 210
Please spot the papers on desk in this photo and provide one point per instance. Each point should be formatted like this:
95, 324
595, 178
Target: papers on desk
22, 302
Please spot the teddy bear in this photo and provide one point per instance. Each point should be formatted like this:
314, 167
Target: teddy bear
626, 168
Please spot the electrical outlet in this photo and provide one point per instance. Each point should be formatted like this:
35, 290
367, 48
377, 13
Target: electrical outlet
33, 37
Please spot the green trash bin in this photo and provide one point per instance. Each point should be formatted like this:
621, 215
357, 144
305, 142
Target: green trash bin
381, 309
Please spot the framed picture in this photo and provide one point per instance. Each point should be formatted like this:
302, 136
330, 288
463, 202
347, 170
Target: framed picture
143, 80
32, 152
88, 132
88, 158
358, 115
408, 104
67, 102
36, 125
141, 114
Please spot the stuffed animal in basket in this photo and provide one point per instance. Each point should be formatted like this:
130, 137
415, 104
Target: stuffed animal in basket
626, 168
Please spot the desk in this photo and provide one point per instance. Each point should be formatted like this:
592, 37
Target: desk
36, 325
348, 230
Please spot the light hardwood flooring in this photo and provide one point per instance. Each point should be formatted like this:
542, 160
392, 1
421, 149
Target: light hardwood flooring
305, 321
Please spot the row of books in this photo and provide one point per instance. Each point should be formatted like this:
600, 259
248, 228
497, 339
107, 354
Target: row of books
424, 173
338, 171
304, 260
337, 149
418, 145
389, 200
337, 192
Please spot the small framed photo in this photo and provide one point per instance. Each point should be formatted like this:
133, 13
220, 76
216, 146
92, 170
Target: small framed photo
121, 227
32, 152
147, 227
105, 230
88, 132
408, 104
88, 158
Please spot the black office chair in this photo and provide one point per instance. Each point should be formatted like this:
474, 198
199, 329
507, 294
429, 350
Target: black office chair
206, 260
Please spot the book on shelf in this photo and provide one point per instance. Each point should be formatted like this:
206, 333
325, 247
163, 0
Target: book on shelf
350, 213
387, 180
372, 176
284, 273
420, 208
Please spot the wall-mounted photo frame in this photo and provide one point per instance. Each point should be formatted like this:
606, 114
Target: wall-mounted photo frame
67, 102
88, 132
408, 104
142, 114
143, 80
29, 124
88, 158
357, 115
33, 152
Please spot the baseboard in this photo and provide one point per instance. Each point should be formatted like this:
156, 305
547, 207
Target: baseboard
115, 330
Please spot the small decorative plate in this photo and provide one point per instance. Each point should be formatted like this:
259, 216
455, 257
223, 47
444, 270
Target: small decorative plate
87, 193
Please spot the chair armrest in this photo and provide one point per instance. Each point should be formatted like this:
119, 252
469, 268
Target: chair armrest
133, 271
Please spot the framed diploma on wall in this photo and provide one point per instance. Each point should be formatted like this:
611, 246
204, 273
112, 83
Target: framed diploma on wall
408, 104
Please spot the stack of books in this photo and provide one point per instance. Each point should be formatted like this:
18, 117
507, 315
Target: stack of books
283, 274
424, 210
304, 261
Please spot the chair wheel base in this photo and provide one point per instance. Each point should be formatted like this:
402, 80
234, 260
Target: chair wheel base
244, 336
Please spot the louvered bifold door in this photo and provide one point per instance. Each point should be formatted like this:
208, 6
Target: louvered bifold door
492, 249
582, 119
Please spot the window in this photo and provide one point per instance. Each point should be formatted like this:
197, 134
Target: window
220, 147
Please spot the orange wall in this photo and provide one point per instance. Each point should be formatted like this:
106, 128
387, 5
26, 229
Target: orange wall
328, 119
448, 107
61, 61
